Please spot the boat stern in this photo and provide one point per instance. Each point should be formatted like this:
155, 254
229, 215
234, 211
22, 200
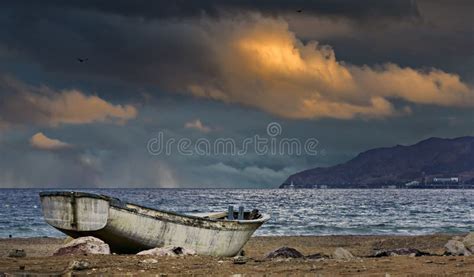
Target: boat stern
75, 211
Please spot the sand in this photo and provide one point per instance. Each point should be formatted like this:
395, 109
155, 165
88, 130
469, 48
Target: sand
39, 259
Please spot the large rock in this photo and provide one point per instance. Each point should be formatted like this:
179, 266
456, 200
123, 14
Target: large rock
83, 246
342, 254
456, 248
284, 253
168, 251
68, 239
468, 242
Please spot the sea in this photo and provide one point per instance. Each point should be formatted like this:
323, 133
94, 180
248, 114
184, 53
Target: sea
293, 212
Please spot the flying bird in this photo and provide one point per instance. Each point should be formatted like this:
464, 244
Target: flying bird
299, 11
82, 60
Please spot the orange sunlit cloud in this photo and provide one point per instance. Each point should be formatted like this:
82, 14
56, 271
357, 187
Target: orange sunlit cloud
262, 64
42, 142
44, 106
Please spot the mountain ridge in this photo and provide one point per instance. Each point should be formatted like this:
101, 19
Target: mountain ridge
387, 166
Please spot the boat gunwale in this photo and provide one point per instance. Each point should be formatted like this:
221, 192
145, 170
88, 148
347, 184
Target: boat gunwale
117, 203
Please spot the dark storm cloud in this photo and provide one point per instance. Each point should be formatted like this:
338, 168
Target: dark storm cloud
54, 33
120, 48
240, 59
441, 36
162, 9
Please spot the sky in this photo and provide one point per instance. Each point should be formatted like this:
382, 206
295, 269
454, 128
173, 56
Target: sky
177, 94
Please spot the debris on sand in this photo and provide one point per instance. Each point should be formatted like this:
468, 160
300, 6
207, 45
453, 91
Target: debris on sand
316, 256
79, 265
401, 252
171, 250
17, 253
239, 260
149, 261
284, 253
83, 246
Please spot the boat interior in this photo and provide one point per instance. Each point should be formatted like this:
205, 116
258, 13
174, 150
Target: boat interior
234, 215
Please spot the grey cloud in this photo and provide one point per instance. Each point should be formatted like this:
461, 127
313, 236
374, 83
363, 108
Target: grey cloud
24, 166
116, 156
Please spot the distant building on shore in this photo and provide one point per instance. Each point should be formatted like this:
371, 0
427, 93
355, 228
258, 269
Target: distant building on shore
452, 180
412, 183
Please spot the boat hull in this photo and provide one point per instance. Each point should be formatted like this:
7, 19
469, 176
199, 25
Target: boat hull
129, 228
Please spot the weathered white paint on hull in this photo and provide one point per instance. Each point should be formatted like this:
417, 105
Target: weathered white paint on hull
131, 228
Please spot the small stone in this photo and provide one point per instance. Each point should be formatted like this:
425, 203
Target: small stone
284, 252
456, 248
17, 253
342, 254
239, 260
168, 251
149, 261
79, 265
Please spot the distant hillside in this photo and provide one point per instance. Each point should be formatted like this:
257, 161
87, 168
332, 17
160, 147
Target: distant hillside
434, 157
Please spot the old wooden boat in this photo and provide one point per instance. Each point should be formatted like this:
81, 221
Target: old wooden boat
129, 228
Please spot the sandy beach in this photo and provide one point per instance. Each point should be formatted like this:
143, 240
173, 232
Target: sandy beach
39, 258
